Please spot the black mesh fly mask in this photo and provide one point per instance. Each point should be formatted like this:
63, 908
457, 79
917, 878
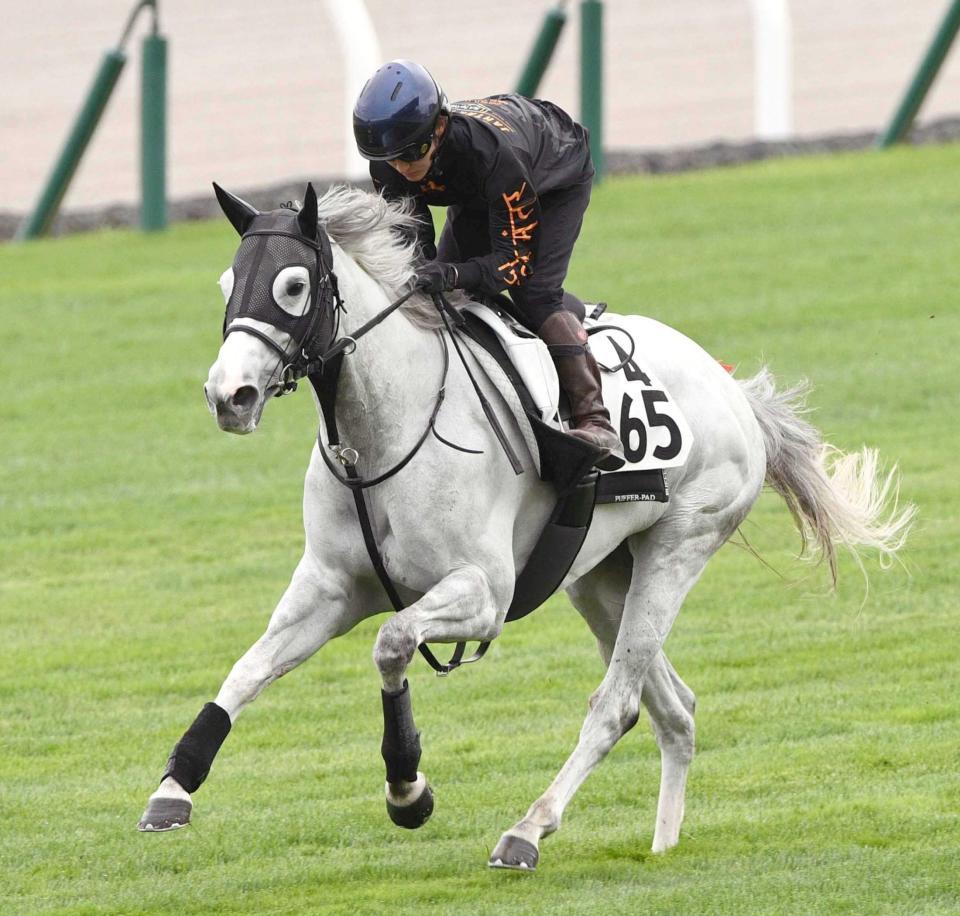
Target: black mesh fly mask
283, 277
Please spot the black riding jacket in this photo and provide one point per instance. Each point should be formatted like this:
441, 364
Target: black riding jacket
498, 155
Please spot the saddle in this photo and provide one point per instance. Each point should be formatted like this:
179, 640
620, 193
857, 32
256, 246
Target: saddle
518, 364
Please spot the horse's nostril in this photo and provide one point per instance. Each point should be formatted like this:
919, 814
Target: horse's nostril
245, 397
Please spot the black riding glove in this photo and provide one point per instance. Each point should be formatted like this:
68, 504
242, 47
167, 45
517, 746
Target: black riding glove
436, 277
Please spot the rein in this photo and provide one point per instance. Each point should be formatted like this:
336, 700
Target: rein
306, 366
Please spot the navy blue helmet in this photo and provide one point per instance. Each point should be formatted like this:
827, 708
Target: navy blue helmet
397, 111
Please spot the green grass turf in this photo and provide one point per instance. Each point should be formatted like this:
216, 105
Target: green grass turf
142, 551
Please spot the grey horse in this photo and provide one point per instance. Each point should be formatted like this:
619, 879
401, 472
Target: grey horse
454, 527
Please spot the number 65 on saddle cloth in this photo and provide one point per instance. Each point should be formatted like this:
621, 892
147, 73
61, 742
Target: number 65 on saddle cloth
652, 427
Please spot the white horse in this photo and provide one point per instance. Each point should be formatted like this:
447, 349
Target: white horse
454, 527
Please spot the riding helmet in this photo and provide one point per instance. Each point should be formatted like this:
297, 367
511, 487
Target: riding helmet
397, 111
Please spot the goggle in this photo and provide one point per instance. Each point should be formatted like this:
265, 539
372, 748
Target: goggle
415, 152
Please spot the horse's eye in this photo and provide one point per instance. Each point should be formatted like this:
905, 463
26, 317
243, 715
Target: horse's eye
290, 289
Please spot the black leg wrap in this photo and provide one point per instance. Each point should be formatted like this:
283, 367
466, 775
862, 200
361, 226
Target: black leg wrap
401, 740
413, 815
194, 752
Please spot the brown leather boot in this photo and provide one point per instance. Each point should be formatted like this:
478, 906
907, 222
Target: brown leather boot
580, 379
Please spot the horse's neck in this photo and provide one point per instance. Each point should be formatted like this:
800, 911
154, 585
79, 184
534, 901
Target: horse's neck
389, 383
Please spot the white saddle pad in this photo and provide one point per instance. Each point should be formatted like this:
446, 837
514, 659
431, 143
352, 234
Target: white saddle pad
529, 355
653, 430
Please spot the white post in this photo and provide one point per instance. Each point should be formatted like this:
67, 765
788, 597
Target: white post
361, 56
772, 69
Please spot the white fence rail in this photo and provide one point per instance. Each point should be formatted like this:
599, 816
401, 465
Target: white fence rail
360, 48
772, 69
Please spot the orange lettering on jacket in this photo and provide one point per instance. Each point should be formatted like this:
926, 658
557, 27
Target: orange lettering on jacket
519, 212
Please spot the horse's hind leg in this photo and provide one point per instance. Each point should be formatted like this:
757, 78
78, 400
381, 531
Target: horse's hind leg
669, 701
312, 611
666, 564
670, 704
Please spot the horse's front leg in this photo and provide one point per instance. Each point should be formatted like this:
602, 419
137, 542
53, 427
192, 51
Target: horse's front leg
462, 606
314, 609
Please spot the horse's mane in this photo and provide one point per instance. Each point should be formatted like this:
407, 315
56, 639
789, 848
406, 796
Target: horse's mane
380, 235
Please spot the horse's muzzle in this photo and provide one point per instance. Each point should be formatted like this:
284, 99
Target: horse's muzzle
236, 412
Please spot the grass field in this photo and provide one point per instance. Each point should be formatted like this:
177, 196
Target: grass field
142, 551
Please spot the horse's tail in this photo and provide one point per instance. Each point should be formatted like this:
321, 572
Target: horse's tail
836, 499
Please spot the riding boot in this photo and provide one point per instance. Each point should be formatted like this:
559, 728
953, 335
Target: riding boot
579, 377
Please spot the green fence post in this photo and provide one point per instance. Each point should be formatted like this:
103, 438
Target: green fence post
591, 77
39, 220
542, 51
153, 134
927, 72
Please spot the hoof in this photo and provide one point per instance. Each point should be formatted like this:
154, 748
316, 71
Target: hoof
165, 814
414, 814
513, 852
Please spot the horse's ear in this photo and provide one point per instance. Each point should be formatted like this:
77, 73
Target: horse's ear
237, 210
307, 217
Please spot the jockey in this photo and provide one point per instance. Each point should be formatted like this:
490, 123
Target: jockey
515, 175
